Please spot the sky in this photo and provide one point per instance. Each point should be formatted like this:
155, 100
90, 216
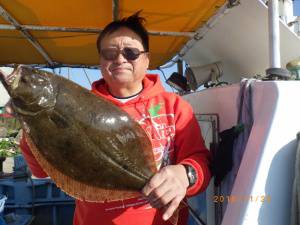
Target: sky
79, 76
296, 7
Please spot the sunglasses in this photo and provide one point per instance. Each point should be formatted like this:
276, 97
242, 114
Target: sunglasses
128, 53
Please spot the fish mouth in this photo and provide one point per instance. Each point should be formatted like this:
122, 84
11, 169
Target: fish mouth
10, 81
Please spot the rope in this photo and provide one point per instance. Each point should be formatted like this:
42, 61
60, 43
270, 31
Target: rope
84, 70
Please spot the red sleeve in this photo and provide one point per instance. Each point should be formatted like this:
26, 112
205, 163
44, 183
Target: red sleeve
34, 166
190, 147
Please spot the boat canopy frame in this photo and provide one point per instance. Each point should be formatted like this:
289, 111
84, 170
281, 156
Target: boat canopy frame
28, 31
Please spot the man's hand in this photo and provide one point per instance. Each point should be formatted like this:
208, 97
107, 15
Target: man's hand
167, 188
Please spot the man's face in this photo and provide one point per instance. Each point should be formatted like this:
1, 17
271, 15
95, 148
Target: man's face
122, 72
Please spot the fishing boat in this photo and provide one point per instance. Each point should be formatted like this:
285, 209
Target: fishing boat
238, 66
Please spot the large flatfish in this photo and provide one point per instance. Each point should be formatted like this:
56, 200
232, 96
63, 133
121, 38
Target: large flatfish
92, 149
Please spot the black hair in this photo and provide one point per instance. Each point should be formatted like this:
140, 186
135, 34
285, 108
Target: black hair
133, 22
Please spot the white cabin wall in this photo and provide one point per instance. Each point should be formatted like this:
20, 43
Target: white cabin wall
267, 166
221, 100
269, 155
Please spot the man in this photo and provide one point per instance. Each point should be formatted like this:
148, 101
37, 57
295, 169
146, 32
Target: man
178, 147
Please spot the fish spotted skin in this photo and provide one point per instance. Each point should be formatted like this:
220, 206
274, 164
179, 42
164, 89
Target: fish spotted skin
80, 134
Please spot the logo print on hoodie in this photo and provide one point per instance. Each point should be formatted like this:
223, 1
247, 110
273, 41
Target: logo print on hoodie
161, 130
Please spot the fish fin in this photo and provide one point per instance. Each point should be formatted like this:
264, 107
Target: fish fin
58, 120
75, 188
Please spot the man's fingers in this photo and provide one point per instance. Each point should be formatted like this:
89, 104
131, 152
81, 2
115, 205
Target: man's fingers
163, 200
154, 182
159, 191
170, 209
166, 189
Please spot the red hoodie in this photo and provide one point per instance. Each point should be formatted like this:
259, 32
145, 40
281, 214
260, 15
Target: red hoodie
176, 138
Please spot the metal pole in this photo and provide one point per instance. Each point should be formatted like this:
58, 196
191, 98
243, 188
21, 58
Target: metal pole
87, 30
274, 34
56, 65
26, 34
275, 71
